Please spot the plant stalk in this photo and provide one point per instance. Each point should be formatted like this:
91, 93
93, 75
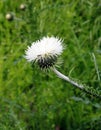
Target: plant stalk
80, 86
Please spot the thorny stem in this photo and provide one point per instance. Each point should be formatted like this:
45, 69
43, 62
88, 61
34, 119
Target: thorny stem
80, 86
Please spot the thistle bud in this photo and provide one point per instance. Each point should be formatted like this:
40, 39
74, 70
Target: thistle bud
9, 17
22, 7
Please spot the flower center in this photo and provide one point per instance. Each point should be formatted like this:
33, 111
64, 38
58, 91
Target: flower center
46, 61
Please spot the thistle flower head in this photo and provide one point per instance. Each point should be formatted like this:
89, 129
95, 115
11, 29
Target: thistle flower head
45, 51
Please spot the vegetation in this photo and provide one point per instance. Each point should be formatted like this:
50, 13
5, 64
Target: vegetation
31, 99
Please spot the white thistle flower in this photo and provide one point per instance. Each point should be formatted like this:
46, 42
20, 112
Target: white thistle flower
45, 51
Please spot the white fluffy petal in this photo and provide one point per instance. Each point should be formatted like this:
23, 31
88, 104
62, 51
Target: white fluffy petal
50, 46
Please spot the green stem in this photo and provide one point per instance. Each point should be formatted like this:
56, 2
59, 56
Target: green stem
80, 86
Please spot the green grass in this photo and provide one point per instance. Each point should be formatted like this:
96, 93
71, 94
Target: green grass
31, 99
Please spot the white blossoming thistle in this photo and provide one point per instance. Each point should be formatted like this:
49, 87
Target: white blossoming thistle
45, 52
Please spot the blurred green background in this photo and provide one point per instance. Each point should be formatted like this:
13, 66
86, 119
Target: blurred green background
31, 99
